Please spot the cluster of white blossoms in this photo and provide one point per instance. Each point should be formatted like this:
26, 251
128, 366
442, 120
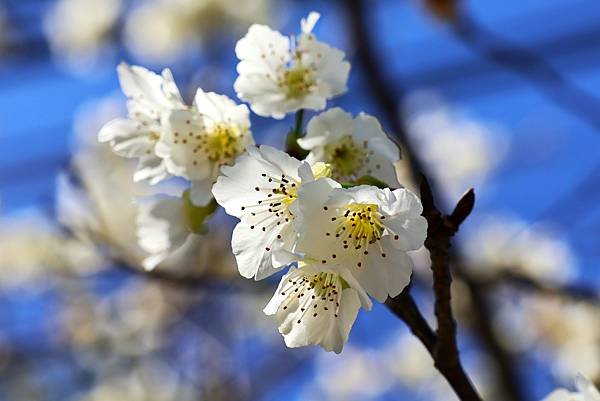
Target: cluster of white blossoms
343, 243
586, 391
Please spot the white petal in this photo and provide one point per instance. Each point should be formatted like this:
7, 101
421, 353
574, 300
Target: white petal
126, 138
150, 168
161, 228
221, 109
146, 87
306, 318
307, 24
327, 127
253, 250
395, 269
405, 220
200, 192
330, 68
586, 388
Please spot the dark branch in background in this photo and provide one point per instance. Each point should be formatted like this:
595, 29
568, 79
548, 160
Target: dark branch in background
529, 65
501, 358
383, 93
572, 292
387, 97
442, 345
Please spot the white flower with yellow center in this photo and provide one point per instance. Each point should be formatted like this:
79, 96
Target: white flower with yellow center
364, 229
278, 76
149, 96
261, 190
586, 391
316, 306
354, 147
198, 141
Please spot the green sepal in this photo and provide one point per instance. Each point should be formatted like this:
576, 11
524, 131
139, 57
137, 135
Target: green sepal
365, 180
370, 180
195, 216
291, 145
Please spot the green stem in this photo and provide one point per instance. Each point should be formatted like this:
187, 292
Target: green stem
298, 125
291, 142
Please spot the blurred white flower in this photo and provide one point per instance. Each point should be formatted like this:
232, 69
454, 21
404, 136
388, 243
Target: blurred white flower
349, 376
78, 29
586, 391
165, 223
317, 306
162, 228
149, 97
261, 190
180, 24
33, 248
278, 75
353, 147
101, 208
153, 380
195, 143
564, 334
364, 229
502, 243
460, 152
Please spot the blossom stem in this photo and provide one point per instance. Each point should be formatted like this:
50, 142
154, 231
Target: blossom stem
298, 125
291, 143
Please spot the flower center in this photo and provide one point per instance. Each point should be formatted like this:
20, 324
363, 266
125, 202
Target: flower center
326, 284
297, 81
345, 157
222, 144
360, 226
290, 194
318, 293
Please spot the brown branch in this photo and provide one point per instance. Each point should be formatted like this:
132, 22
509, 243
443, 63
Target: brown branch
387, 98
441, 345
440, 230
406, 309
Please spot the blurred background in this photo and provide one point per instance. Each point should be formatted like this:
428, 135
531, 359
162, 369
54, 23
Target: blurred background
499, 96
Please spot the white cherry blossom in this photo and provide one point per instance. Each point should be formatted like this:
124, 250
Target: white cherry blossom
586, 391
364, 229
197, 142
149, 96
278, 75
352, 146
164, 224
261, 190
161, 228
317, 306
